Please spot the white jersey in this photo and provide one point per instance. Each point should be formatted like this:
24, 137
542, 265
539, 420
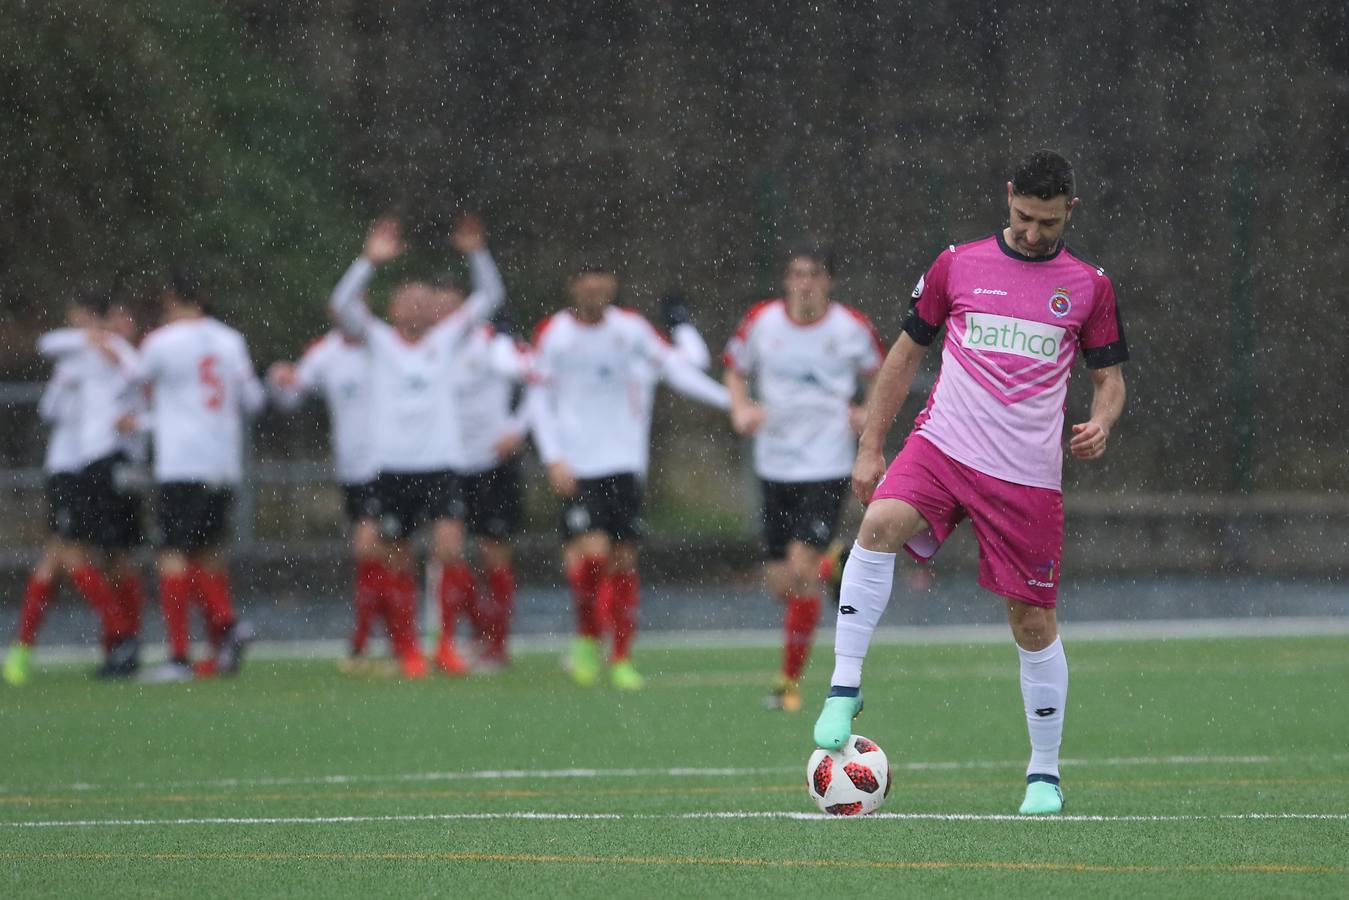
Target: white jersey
59, 408
592, 406
805, 376
484, 379
415, 417
103, 390
338, 369
202, 385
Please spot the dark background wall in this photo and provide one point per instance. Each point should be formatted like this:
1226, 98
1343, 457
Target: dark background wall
691, 141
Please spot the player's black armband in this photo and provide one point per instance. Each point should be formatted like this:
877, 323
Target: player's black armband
1109, 355
922, 333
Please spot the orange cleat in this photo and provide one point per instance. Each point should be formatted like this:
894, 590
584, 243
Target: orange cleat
414, 666
450, 662
205, 668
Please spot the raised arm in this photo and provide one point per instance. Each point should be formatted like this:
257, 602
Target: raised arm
382, 243
1107, 405
888, 393
489, 292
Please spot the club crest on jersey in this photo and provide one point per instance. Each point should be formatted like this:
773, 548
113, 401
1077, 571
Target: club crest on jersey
1060, 304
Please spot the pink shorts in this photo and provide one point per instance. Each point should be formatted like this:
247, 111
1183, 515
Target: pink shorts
1019, 528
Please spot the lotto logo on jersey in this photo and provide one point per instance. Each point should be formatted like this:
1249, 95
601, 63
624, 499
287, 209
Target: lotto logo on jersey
1019, 337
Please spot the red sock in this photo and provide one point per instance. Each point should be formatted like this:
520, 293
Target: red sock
799, 621
36, 596
213, 589
94, 588
130, 593
174, 592
826, 568
400, 612
370, 574
623, 598
501, 585
458, 592
585, 578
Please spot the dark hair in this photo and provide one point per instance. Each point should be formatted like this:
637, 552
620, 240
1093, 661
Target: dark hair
1044, 174
816, 251
185, 285
94, 300
593, 266
448, 281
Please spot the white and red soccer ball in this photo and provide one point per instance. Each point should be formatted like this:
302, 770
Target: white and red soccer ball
852, 781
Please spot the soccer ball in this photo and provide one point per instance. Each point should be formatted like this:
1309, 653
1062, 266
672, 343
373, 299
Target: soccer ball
853, 781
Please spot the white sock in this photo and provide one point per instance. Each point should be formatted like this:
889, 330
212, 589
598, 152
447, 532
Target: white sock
1044, 690
867, 578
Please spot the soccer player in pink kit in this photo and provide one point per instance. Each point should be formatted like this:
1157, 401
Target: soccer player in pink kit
416, 420
805, 356
202, 389
590, 410
1017, 307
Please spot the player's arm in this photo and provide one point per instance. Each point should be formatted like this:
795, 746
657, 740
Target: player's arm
63, 342
691, 381
252, 395
747, 416
541, 411
689, 343
58, 397
489, 292
887, 396
1107, 405
383, 243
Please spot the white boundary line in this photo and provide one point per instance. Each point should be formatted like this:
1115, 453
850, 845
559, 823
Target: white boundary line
1141, 630
683, 772
622, 817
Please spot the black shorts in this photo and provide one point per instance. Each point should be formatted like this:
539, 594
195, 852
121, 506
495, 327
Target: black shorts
612, 504
192, 516
111, 511
358, 501
492, 500
405, 501
804, 511
63, 513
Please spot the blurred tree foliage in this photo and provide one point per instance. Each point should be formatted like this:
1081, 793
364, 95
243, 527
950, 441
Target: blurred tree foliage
138, 134
690, 141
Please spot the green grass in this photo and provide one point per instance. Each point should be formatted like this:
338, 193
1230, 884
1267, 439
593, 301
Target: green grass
1263, 724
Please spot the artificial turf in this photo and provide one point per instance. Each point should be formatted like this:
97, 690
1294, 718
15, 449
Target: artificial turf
294, 780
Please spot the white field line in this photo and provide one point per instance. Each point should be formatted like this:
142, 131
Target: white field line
1149, 630
685, 772
620, 817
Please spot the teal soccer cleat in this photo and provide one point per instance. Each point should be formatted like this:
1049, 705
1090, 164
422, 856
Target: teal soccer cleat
1043, 797
834, 725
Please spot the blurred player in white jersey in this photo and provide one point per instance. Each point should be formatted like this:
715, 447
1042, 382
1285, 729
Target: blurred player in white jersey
202, 389
91, 388
416, 420
337, 368
490, 369
804, 358
591, 416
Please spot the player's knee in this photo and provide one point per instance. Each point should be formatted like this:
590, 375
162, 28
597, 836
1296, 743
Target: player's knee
885, 527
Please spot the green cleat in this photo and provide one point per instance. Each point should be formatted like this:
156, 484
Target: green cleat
18, 665
584, 661
625, 676
834, 726
1043, 798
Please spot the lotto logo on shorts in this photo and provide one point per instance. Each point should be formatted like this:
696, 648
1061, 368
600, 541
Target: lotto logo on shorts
1045, 575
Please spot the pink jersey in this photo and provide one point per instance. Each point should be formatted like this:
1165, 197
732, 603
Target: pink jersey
1013, 325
